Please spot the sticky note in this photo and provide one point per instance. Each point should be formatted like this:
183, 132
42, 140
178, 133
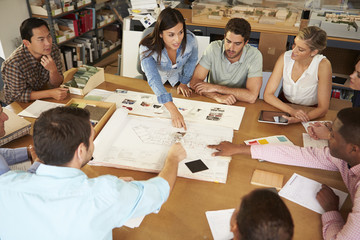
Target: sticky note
263, 141
282, 139
254, 142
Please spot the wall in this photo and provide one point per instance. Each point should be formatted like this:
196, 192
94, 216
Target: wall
12, 13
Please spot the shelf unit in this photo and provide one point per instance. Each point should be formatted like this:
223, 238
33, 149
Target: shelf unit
51, 18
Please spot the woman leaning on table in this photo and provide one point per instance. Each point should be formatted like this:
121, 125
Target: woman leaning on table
307, 77
170, 54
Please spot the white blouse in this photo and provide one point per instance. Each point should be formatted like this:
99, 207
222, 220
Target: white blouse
304, 90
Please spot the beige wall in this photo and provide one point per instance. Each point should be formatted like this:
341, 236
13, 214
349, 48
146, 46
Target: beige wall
12, 13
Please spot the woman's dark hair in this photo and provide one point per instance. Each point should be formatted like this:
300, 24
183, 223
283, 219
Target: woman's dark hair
167, 19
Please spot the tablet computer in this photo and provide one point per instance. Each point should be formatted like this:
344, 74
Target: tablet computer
273, 117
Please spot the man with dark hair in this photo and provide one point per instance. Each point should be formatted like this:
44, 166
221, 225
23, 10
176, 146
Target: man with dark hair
58, 201
235, 67
262, 216
343, 155
33, 66
10, 156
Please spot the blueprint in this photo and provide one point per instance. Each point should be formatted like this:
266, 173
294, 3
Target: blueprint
142, 143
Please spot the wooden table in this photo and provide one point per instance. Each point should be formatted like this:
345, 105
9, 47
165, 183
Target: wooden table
183, 215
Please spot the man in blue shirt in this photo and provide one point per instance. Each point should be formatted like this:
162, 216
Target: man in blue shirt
58, 201
9, 156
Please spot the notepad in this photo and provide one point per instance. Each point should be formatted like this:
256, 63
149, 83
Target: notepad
302, 191
267, 179
219, 222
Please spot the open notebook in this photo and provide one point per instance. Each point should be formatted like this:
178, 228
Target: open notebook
15, 127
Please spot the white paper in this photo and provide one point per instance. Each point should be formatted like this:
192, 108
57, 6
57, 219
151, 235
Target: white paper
309, 142
38, 107
307, 124
142, 143
302, 191
219, 222
193, 111
103, 94
143, 4
134, 222
23, 166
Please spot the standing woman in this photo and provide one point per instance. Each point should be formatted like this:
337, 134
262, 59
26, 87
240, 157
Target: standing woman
169, 53
307, 77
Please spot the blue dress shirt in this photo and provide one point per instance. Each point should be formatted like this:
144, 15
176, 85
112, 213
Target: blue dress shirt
63, 203
10, 156
158, 73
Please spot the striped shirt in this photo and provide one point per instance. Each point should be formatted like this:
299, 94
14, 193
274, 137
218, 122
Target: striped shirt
334, 226
22, 73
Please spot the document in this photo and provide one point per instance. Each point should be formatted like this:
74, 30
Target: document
193, 111
302, 191
309, 142
142, 143
98, 94
38, 107
219, 222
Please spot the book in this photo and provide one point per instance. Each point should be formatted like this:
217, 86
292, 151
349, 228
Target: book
15, 127
267, 179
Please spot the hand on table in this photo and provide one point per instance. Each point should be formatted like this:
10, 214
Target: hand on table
184, 90
225, 148
58, 93
203, 87
225, 99
328, 200
176, 153
319, 130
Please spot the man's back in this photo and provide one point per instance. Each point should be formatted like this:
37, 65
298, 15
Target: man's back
62, 203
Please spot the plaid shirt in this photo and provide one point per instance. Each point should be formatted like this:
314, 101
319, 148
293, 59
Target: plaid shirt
22, 73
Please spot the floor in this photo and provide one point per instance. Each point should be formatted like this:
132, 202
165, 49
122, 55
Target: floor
110, 65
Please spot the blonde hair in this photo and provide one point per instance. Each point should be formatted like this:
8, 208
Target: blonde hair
314, 37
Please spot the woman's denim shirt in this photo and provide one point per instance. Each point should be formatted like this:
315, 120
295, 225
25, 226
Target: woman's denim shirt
158, 74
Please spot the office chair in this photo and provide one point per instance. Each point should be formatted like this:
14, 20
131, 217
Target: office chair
138, 67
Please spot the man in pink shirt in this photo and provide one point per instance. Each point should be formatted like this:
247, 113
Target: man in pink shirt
343, 155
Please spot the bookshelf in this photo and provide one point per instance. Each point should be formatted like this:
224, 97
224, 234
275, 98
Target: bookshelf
76, 26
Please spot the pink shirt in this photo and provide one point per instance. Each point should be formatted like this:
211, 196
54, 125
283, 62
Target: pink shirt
334, 226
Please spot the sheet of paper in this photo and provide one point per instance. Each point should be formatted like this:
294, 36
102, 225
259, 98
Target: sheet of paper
37, 107
219, 222
278, 139
98, 94
306, 124
309, 142
142, 143
23, 166
193, 111
134, 222
302, 191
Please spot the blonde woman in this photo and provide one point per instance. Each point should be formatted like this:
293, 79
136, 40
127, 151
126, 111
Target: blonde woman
307, 77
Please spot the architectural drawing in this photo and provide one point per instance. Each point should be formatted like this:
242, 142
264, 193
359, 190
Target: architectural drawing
142, 143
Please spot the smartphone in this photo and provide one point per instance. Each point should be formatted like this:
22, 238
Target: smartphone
273, 117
